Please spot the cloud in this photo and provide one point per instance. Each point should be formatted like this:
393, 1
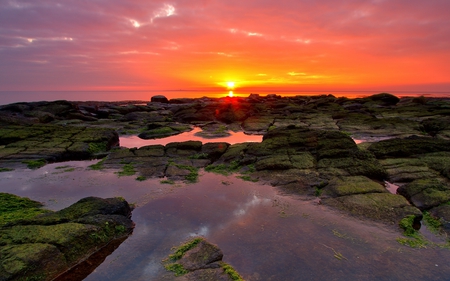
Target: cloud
158, 44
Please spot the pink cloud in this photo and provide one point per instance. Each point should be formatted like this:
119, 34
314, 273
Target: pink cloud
148, 44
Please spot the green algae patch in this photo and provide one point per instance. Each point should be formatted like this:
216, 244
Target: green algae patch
97, 147
13, 208
200, 260
224, 169
98, 165
127, 170
352, 185
35, 164
182, 249
6, 170
230, 271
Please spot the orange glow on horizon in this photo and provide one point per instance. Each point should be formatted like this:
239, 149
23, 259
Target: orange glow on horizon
158, 46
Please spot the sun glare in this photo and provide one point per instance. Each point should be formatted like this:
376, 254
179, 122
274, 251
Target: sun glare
230, 85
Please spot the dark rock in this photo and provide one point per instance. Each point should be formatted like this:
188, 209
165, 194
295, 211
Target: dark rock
214, 150
386, 98
159, 98
408, 146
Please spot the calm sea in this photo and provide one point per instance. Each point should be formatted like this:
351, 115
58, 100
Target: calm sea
7, 97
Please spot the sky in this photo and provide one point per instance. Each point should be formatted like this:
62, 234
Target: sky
386, 45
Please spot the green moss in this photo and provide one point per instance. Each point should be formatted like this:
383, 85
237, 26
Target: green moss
247, 178
127, 170
407, 224
141, 178
199, 156
224, 169
433, 224
176, 268
35, 164
415, 239
192, 176
97, 147
234, 275
6, 170
98, 165
167, 182
180, 250
13, 208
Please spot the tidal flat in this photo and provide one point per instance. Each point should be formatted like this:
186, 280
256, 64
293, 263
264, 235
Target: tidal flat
308, 200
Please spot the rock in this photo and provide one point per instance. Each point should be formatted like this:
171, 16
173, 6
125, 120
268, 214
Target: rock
408, 146
198, 259
443, 214
426, 193
213, 130
159, 98
386, 207
386, 98
352, 185
49, 244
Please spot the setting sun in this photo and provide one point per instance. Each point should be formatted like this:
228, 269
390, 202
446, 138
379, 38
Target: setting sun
230, 85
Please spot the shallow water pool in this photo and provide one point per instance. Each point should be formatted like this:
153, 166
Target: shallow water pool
264, 233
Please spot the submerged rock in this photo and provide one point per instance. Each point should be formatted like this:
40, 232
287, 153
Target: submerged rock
47, 245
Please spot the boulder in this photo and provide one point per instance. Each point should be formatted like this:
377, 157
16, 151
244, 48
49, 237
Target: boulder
197, 259
159, 98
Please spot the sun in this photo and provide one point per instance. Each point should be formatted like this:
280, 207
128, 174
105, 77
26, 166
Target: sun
230, 84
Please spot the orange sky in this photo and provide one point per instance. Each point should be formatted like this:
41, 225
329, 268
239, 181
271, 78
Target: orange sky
201, 44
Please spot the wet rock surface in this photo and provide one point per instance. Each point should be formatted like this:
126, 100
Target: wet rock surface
306, 149
43, 246
198, 259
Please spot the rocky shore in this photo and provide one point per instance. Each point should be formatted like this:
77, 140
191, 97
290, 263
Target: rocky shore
342, 151
38, 244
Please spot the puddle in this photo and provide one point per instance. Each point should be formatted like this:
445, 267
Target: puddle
392, 188
263, 234
362, 139
236, 137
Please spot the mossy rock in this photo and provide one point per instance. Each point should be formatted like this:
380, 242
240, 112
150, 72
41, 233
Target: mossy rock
438, 161
386, 207
257, 124
354, 166
13, 207
235, 152
276, 162
214, 150
426, 193
352, 185
197, 259
442, 213
150, 151
158, 133
408, 146
303, 160
48, 244
402, 170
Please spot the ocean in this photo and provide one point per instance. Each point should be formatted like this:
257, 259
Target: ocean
7, 97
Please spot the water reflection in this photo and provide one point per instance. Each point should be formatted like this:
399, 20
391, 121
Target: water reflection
235, 137
264, 235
